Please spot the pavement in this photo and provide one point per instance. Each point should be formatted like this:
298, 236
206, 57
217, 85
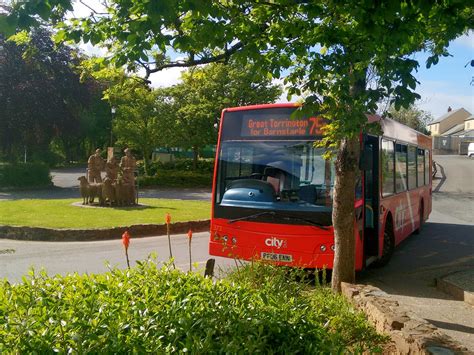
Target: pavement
458, 283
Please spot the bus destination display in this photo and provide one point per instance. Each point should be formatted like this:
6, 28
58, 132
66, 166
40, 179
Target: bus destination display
280, 127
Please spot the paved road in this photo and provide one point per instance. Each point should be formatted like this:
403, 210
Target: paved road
446, 245
17, 257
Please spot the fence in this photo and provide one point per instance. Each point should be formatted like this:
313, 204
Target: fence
451, 145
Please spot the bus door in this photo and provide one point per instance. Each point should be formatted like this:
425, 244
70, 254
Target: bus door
371, 197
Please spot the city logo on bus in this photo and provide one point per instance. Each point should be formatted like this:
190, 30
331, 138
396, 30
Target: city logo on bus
275, 242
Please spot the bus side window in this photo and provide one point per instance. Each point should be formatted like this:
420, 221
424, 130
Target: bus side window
400, 167
427, 167
411, 167
388, 167
420, 163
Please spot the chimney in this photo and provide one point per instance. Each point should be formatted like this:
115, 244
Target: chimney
449, 109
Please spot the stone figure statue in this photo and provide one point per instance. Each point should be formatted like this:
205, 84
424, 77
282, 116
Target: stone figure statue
95, 165
112, 168
128, 165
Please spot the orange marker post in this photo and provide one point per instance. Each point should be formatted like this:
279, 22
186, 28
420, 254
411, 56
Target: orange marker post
126, 243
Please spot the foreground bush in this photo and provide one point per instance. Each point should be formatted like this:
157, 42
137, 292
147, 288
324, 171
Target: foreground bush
147, 309
24, 175
176, 178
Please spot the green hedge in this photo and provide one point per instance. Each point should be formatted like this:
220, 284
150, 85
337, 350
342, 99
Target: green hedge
176, 178
203, 166
147, 309
24, 175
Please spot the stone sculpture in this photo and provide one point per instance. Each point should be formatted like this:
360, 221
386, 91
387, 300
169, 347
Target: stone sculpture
89, 191
95, 165
128, 165
112, 169
118, 187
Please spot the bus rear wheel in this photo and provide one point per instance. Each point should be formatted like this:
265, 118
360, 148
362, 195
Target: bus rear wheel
418, 230
388, 245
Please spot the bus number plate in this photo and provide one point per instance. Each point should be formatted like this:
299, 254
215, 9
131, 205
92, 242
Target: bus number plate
277, 257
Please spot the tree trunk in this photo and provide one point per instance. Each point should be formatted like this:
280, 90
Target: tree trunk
195, 157
343, 212
146, 160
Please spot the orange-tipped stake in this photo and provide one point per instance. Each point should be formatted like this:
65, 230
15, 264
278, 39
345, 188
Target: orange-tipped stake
126, 243
190, 238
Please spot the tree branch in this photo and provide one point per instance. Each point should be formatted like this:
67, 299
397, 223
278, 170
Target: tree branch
205, 60
92, 9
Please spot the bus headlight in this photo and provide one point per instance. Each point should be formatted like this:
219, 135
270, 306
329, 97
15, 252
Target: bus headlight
234, 240
333, 247
225, 238
322, 247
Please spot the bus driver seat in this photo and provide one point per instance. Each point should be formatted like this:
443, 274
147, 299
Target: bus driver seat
275, 177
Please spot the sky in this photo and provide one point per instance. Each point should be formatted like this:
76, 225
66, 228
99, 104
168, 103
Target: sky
450, 83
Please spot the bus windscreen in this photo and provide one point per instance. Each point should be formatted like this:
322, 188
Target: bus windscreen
267, 161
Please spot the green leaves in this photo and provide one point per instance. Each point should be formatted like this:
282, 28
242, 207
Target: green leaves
261, 309
8, 25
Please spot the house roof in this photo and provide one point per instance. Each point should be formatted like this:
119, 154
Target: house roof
469, 133
446, 115
455, 129
469, 118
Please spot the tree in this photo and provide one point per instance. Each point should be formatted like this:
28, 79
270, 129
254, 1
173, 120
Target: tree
412, 116
41, 96
143, 119
204, 92
328, 47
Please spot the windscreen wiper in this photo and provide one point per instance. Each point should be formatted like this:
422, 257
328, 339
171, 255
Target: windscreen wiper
282, 216
252, 216
288, 218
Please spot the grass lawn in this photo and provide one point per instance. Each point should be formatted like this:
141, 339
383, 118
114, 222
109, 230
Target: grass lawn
61, 214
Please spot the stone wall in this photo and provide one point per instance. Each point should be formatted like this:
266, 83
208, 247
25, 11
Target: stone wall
409, 334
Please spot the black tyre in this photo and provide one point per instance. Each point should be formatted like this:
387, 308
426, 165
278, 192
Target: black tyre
418, 231
388, 245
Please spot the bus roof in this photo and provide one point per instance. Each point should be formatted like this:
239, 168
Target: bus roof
392, 129
400, 132
262, 106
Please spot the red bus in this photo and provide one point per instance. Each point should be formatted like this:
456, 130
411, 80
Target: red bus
272, 189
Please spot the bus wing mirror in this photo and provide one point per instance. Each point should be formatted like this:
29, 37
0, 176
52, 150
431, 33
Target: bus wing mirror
366, 162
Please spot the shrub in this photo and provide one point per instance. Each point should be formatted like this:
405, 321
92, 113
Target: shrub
180, 165
24, 175
147, 309
48, 157
175, 178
